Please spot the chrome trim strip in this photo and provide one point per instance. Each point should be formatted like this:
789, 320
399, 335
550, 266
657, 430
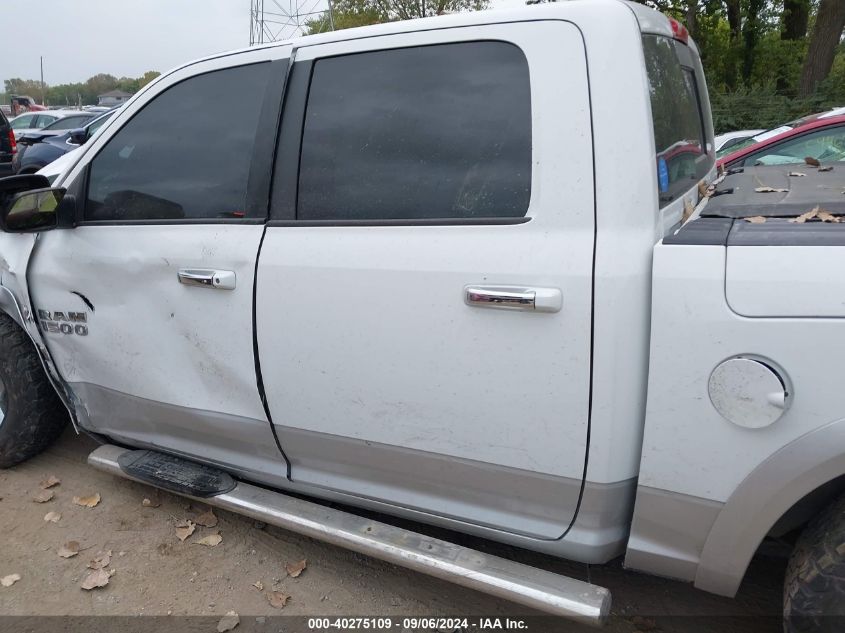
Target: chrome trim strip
529, 586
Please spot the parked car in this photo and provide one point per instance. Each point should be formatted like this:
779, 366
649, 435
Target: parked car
780, 129
62, 164
8, 146
724, 142
32, 121
38, 149
18, 104
822, 139
430, 270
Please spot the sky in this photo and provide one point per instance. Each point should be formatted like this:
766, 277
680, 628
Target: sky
125, 38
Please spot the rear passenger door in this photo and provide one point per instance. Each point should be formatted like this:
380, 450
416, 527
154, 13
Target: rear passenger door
424, 286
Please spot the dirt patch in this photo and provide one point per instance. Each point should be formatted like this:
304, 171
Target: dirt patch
157, 574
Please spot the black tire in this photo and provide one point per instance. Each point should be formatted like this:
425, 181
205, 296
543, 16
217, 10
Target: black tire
34, 415
814, 590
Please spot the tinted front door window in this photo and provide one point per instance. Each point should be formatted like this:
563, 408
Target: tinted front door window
185, 155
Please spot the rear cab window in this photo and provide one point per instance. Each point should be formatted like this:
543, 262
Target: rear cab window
680, 136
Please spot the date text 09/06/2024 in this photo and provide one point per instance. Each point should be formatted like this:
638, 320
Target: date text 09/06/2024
417, 624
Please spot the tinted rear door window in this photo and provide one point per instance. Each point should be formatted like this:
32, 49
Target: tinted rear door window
418, 133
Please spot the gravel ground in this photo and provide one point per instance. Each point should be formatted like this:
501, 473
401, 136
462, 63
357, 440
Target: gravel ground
157, 574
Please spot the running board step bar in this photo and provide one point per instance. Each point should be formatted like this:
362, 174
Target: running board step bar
529, 586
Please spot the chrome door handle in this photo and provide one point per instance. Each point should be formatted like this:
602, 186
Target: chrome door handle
514, 298
220, 279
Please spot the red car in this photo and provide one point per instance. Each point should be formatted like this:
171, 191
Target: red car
821, 138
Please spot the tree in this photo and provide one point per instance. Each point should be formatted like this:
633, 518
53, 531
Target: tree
750, 37
147, 77
347, 14
99, 84
75, 94
793, 31
796, 17
29, 87
830, 21
351, 13
734, 16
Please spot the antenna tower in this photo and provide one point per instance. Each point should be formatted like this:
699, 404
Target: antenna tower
277, 20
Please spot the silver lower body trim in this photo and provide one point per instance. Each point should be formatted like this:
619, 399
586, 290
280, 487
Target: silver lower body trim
668, 532
529, 586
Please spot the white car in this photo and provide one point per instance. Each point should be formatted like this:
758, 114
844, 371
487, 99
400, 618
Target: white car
729, 140
832, 112
32, 121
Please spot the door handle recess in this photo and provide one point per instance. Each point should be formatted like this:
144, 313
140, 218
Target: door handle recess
220, 279
514, 298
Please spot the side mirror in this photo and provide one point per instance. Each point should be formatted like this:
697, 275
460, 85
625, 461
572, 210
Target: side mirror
78, 136
31, 211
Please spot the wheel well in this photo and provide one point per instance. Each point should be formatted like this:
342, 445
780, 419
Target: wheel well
808, 507
809, 469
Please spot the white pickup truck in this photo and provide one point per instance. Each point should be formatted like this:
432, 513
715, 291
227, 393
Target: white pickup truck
437, 269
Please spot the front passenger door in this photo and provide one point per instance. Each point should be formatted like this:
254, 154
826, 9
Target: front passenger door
170, 201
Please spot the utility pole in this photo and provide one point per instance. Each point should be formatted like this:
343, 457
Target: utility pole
42, 80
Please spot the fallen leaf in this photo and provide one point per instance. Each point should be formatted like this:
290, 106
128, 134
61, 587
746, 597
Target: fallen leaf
97, 578
52, 517
184, 529
277, 599
702, 189
756, 219
69, 549
102, 559
150, 503
826, 168
212, 540
770, 190
88, 502
797, 173
258, 585
809, 215
294, 569
826, 216
228, 622
206, 519
11, 579
50, 482
43, 497
811, 161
